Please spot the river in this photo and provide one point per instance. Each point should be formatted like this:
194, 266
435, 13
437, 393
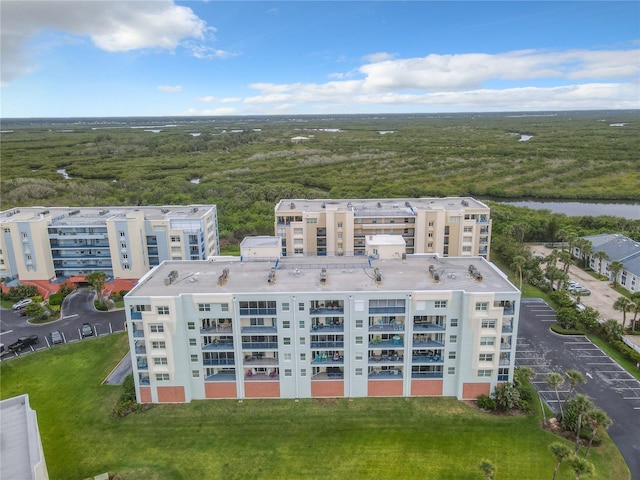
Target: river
575, 209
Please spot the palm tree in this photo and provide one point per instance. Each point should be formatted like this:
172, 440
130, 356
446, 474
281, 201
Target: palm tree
624, 305
600, 256
615, 268
554, 380
97, 281
575, 377
596, 419
581, 467
488, 469
582, 406
518, 264
561, 452
635, 298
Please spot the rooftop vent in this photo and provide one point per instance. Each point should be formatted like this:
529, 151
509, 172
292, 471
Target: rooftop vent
272, 276
465, 203
172, 277
103, 212
323, 276
292, 205
165, 210
378, 275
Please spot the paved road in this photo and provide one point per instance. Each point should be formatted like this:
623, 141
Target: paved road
76, 310
609, 386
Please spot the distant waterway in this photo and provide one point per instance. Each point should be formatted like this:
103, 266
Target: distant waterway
629, 210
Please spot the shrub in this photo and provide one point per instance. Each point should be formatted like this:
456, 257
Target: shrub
100, 306
127, 402
56, 299
486, 403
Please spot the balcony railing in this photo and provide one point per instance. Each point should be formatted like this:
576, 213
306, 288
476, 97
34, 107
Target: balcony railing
326, 310
261, 377
136, 315
221, 345
216, 329
328, 376
323, 344
507, 328
386, 327
249, 360
261, 345
427, 359
258, 311
386, 375
138, 333
430, 343
220, 377
144, 380
426, 374
141, 349
329, 359
395, 309
327, 328
386, 358
428, 327
218, 361
258, 329
505, 346
386, 343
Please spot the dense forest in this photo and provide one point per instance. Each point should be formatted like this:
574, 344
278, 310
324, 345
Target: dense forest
245, 165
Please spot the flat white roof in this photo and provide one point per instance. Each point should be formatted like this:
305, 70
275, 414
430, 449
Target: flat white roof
302, 274
383, 206
77, 215
260, 241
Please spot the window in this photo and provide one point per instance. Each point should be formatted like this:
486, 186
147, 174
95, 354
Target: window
359, 340
303, 357
358, 355
256, 322
176, 249
195, 373
194, 358
301, 306
430, 223
454, 322
285, 307
163, 310
175, 239
359, 371
440, 304
453, 339
486, 357
286, 340
286, 324
298, 241
466, 248
162, 377
160, 361
430, 235
485, 373
193, 342
430, 245
487, 341
297, 231
482, 306
301, 324
488, 324
224, 307
303, 340
455, 219
156, 328
298, 251
468, 230
312, 220
452, 355
287, 372
158, 345
204, 307
359, 323
339, 234
339, 224
191, 325
287, 357
121, 233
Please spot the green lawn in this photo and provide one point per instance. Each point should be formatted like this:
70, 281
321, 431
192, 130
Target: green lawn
365, 438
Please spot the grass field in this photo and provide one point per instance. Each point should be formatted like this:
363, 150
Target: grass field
275, 439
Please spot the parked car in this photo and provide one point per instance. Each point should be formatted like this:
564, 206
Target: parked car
21, 304
23, 342
56, 337
86, 330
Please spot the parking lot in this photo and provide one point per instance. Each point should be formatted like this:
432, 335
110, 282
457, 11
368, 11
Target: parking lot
609, 386
77, 310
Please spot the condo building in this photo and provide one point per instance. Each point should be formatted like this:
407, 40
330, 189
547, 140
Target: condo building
55, 243
450, 227
312, 327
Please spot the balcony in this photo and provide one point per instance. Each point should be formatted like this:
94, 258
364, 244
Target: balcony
393, 309
423, 375
260, 358
385, 374
135, 315
143, 379
386, 358
332, 373
421, 359
323, 358
259, 329
218, 345
327, 309
142, 365
507, 328
382, 343
428, 327
216, 329
138, 334
261, 375
329, 324
221, 377
259, 345
258, 311
505, 346
424, 341
140, 349
327, 344
386, 327
218, 361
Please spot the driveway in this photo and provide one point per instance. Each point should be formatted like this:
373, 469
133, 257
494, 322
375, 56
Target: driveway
608, 385
77, 309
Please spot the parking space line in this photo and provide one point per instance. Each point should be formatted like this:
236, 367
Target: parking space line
604, 363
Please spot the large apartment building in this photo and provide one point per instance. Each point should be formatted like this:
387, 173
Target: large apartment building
312, 327
55, 243
450, 227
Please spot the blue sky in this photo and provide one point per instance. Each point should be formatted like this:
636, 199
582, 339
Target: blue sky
146, 57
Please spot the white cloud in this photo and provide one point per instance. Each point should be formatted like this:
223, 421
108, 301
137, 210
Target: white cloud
117, 26
170, 89
211, 99
572, 79
378, 57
